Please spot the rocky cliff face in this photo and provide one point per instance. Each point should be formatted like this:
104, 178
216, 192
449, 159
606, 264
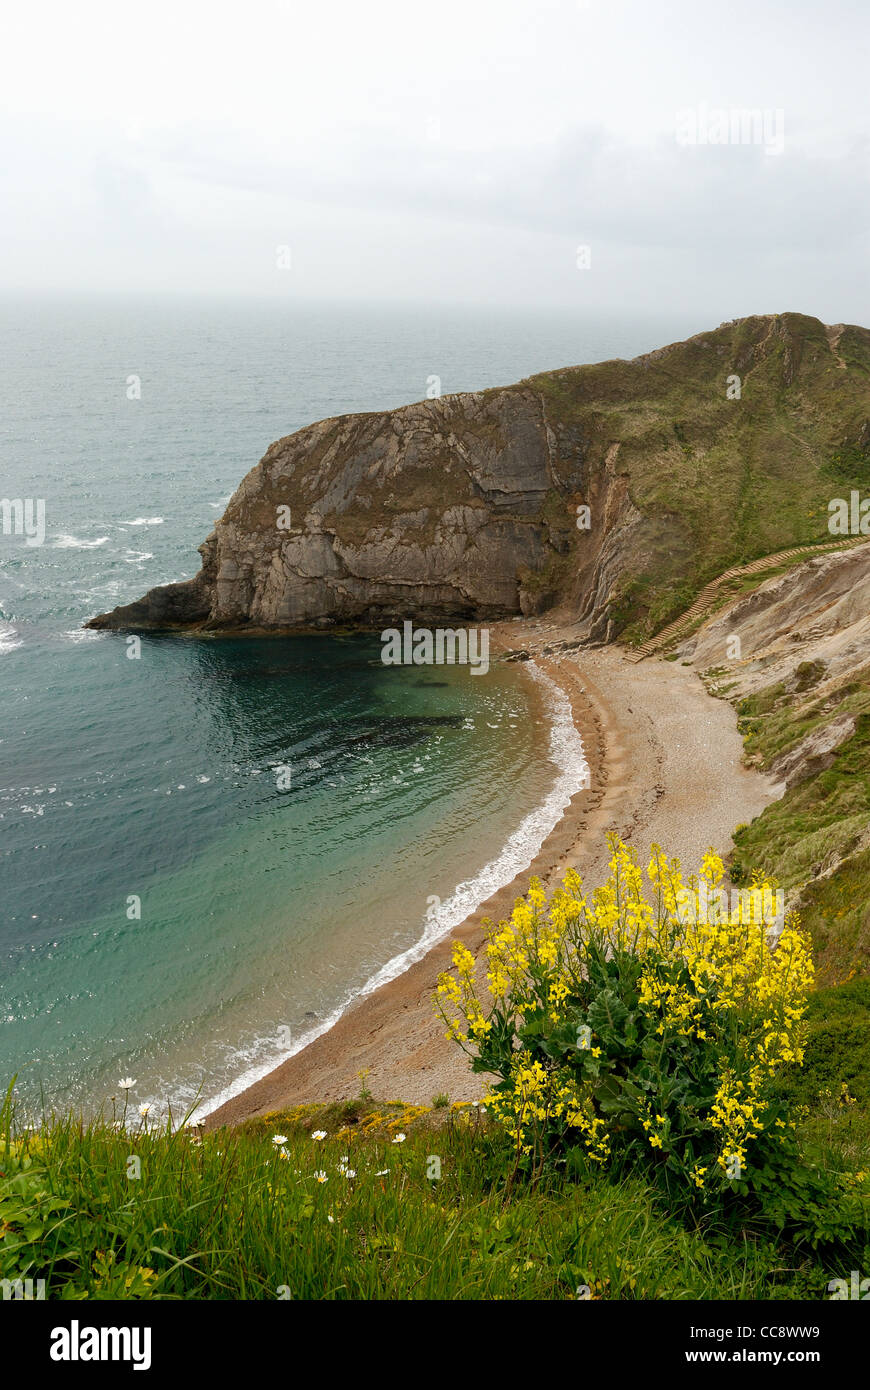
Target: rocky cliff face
436, 510
800, 679
814, 618
430, 510
465, 508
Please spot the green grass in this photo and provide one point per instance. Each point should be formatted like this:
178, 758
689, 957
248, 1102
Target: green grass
226, 1216
833, 1086
810, 842
818, 825
837, 1051
717, 482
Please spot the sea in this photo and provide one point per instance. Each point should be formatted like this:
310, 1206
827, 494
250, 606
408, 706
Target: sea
209, 850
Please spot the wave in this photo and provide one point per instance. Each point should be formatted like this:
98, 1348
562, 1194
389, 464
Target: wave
64, 542
145, 521
9, 639
566, 751
138, 555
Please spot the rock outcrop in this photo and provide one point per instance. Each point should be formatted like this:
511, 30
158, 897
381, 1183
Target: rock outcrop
793, 656
465, 508
805, 629
438, 510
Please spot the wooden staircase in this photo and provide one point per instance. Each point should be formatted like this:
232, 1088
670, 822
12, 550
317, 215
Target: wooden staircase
679, 629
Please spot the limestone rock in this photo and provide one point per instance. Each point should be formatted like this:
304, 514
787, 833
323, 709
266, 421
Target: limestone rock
603, 489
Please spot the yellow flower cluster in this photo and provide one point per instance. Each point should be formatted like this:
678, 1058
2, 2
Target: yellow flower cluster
391, 1115
540, 1097
736, 1116
656, 1128
706, 967
461, 993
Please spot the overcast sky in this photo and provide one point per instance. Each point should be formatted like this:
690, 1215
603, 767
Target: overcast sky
458, 149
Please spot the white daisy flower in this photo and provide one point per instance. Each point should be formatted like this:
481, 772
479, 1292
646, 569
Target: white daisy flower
278, 1140
127, 1084
318, 1134
321, 1177
398, 1138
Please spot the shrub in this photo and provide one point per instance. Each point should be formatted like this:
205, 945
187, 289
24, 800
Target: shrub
646, 1024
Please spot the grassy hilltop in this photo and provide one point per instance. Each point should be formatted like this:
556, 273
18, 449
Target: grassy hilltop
715, 481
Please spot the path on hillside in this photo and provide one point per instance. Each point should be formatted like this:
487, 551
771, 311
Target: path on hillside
706, 599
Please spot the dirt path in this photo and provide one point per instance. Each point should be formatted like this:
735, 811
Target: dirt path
666, 767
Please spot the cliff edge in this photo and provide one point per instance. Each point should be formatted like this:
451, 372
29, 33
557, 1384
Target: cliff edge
612, 491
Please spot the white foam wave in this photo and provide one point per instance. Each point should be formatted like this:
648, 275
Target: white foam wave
566, 751
64, 542
145, 521
134, 557
9, 639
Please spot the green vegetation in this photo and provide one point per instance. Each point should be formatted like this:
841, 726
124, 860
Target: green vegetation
814, 839
650, 1030
837, 1059
622, 1195
234, 1215
718, 481
850, 466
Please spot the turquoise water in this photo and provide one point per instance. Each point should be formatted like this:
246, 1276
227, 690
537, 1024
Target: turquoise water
167, 910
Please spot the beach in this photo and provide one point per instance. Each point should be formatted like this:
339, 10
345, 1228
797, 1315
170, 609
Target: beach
666, 767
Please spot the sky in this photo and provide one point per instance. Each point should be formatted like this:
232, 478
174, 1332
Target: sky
555, 153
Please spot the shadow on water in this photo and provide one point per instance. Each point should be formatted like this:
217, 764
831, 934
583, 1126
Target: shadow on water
180, 749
